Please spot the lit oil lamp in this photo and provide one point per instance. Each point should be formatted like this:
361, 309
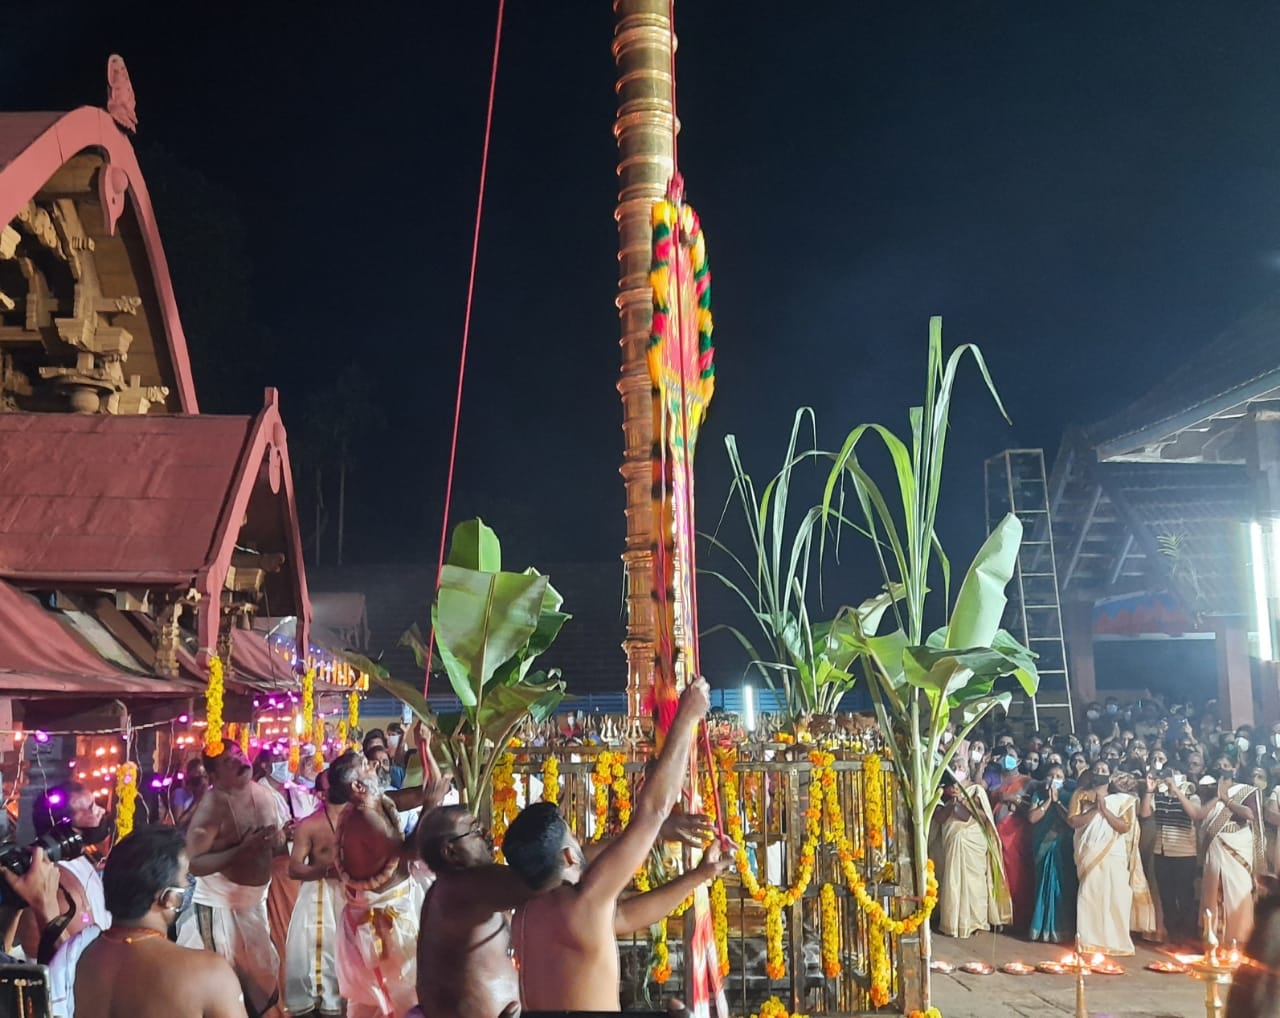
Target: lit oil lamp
1215, 968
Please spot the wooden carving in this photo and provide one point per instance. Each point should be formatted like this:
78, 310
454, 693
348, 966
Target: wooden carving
113, 182
121, 103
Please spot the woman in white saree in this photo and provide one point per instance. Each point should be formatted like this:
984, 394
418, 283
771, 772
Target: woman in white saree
973, 894
1234, 858
1113, 897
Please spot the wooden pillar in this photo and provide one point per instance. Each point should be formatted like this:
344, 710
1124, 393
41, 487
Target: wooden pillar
642, 47
1077, 628
1235, 685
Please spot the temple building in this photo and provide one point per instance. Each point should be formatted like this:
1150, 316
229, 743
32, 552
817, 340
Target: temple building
139, 537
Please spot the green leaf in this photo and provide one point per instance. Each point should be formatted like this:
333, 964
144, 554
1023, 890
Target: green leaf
485, 619
506, 705
407, 692
475, 546
981, 601
412, 638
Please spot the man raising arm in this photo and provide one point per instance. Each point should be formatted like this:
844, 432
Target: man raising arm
565, 941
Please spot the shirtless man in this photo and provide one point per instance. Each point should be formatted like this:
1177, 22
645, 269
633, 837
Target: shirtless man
377, 957
132, 970
566, 938
465, 967
311, 974
234, 835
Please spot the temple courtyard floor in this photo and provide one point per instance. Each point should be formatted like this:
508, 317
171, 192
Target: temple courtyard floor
1136, 992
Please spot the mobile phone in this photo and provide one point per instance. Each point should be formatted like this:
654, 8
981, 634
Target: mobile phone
24, 991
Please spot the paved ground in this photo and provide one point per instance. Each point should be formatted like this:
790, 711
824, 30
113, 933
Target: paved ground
1136, 993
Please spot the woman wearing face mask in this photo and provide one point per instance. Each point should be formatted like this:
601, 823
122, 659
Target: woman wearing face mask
1053, 915
1113, 897
1010, 810
972, 890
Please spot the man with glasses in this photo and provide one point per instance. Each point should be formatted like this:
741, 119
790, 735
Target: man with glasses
134, 970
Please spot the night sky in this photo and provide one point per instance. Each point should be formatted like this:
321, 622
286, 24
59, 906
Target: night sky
1089, 191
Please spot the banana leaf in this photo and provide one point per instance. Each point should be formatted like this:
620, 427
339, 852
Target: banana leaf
475, 546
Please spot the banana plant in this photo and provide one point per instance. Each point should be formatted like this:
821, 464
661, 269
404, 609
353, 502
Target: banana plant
490, 627
920, 680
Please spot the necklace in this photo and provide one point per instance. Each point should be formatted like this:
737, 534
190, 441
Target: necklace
132, 934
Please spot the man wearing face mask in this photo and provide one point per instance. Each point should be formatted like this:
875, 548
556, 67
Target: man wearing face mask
79, 878
133, 968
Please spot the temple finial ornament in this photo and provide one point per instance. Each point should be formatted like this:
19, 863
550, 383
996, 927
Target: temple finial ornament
120, 97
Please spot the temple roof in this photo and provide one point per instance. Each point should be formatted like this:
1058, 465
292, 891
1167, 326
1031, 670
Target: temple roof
150, 501
1191, 414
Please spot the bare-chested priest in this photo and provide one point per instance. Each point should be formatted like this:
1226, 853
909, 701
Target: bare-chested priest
233, 836
383, 884
565, 939
310, 953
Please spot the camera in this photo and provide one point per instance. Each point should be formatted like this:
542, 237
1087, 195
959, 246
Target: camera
61, 843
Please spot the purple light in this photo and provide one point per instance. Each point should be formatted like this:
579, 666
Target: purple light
168, 782
55, 799
41, 737
256, 702
156, 783
183, 718
71, 765
180, 776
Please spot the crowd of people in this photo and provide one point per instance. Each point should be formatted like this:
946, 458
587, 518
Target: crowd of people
333, 892
1150, 820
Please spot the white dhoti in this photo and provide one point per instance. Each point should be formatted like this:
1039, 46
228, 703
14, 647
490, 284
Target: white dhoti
1232, 858
378, 950
310, 952
231, 919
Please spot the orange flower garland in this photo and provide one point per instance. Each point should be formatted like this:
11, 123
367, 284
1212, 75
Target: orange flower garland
873, 800
933, 1012
610, 775
213, 709
774, 1008
551, 779
505, 803
720, 924
831, 967
126, 798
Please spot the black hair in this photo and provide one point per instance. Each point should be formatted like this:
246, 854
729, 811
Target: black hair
434, 832
371, 735
54, 806
139, 868
534, 842
343, 773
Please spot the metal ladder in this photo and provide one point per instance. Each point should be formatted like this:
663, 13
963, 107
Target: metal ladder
1015, 483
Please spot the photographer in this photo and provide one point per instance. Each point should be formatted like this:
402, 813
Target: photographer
38, 888
80, 880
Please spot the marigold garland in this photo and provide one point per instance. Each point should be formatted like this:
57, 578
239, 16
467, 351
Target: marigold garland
342, 736
309, 702
661, 954
505, 803
126, 798
244, 739
353, 710
213, 708
295, 756
610, 776
551, 779
824, 822
831, 967
774, 1008
933, 1012
873, 800
720, 924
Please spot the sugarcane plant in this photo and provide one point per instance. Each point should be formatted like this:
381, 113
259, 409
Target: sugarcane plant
921, 680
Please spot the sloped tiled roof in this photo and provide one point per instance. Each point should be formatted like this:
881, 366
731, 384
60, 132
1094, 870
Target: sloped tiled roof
1241, 364
109, 498
1127, 527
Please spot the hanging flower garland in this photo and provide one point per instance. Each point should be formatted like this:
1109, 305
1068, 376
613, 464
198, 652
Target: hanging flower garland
213, 708
873, 800
720, 924
933, 1012
126, 798
610, 776
505, 803
831, 967
661, 967
295, 756
774, 1008
244, 740
308, 709
551, 779
342, 736
353, 710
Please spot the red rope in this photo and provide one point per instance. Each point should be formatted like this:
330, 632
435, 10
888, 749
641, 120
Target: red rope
466, 331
